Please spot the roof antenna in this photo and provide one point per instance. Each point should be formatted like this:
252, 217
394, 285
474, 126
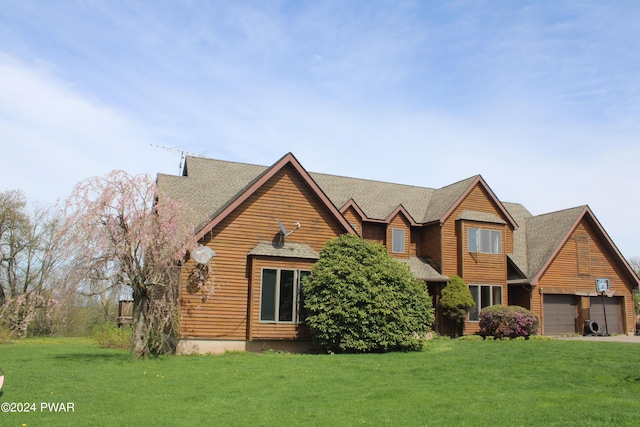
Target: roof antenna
183, 155
284, 233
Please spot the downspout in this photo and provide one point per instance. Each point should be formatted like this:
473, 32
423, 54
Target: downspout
249, 297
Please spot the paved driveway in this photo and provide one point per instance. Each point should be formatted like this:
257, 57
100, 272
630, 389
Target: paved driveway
615, 338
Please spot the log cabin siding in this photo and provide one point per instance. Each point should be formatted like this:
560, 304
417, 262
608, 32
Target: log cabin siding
354, 219
284, 197
478, 267
567, 273
399, 222
374, 232
454, 239
481, 268
431, 244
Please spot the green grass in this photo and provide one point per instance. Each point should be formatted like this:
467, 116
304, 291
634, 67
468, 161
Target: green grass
450, 383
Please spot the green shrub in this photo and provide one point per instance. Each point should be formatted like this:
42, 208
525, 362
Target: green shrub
501, 321
109, 335
360, 299
456, 300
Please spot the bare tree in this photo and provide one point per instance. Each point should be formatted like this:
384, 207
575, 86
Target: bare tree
124, 234
29, 261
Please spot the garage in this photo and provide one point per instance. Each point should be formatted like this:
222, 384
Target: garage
560, 314
613, 307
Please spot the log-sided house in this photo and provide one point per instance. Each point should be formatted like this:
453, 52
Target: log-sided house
267, 226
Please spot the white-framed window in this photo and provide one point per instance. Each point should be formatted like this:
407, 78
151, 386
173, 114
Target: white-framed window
397, 240
484, 296
484, 240
281, 297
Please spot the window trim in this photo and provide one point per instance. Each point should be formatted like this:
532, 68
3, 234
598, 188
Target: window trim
475, 311
395, 238
481, 243
297, 314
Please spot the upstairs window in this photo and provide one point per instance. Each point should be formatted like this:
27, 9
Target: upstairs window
397, 240
484, 241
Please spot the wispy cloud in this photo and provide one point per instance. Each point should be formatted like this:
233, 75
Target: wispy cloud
53, 137
541, 98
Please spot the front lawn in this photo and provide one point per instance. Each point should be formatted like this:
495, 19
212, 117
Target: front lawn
509, 383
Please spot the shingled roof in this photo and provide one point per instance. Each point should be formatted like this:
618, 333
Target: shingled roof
376, 199
208, 187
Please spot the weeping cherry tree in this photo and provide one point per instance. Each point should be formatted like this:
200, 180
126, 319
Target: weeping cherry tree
125, 234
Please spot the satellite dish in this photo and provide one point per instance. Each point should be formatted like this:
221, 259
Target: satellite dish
202, 254
283, 229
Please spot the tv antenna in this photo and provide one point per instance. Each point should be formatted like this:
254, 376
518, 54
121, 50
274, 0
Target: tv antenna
283, 231
183, 155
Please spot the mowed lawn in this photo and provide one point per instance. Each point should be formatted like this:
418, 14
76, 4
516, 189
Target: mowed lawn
450, 383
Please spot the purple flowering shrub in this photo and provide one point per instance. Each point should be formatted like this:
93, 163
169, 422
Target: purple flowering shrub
501, 321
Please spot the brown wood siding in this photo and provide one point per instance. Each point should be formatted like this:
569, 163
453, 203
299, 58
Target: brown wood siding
374, 232
415, 235
482, 267
285, 197
272, 330
431, 244
399, 222
566, 274
353, 218
452, 236
477, 268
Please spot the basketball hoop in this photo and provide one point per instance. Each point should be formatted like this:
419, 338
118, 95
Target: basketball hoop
609, 292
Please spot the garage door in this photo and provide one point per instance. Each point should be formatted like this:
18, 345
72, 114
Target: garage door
560, 314
613, 306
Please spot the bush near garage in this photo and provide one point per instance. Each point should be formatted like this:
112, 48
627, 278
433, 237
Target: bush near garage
501, 321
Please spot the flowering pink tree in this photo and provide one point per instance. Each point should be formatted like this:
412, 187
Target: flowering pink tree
124, 233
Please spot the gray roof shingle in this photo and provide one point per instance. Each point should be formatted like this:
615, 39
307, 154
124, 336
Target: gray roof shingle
209, 185
287, 250
424, 270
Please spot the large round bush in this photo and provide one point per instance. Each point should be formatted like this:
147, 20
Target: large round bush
512, 321
360, 299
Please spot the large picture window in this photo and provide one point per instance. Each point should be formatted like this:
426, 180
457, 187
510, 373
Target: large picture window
483, 240
484, 296
281, 295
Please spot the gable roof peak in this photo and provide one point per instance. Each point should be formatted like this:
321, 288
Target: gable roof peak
447, 199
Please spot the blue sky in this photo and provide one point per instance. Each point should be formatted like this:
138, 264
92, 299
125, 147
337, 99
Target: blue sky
541, 98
